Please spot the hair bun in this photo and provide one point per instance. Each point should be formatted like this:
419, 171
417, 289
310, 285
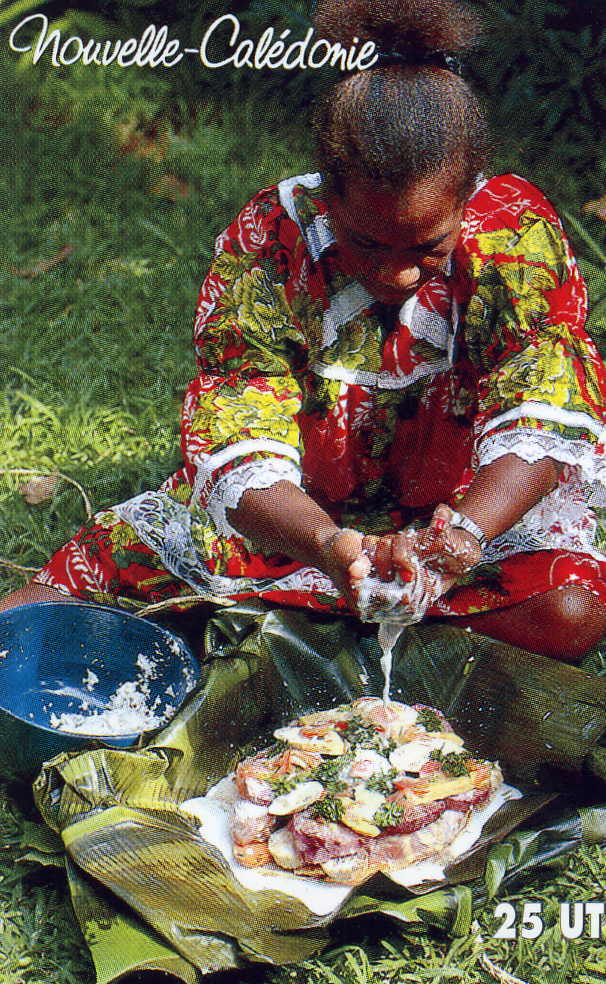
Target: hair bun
422, 25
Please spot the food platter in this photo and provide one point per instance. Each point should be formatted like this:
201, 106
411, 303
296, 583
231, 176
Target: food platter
345, 793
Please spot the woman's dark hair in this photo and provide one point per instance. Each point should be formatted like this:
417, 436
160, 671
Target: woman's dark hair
395, 124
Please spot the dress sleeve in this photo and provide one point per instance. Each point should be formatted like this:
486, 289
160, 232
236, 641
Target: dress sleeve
240, 415
542, 384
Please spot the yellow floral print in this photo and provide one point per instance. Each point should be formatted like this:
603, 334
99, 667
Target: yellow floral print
123, 535
261, 306
251, 412
538, 240
540, 372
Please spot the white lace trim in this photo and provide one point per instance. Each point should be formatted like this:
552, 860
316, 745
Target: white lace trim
565, 519
207, 464
384, 380
531, 445
546, 411
165, 526
230, 488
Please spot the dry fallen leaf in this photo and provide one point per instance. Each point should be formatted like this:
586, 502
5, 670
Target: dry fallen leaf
151, 142
597, 207
39, 489
43, 266
169, 186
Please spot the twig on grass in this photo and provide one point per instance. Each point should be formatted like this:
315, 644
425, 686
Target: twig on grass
499, 974
18, 567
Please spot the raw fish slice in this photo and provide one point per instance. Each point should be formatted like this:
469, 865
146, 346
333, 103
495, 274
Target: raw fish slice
251, 822
319, 841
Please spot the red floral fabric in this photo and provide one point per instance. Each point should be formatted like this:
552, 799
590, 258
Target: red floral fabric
379, 414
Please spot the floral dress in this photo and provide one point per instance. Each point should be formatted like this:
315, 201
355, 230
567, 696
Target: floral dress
379, 413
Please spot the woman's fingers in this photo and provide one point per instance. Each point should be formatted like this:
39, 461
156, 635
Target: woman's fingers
447, 549
344, 548
393, 554
359, 568
346, 562
383, 559
403, 554
439, 526
442, 515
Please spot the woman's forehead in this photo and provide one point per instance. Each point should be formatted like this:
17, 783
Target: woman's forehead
428, 208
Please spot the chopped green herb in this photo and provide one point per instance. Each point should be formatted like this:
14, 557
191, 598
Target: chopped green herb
329, 808
382, 782
451, 763
388, 815
429, 720
284, 784
278, 748
328, 772
360, 734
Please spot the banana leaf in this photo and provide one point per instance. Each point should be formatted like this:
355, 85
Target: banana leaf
144, 861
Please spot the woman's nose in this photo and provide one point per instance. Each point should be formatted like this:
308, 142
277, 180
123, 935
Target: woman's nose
402, 277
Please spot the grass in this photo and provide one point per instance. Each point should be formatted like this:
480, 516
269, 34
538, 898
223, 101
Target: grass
94, 359
96, 353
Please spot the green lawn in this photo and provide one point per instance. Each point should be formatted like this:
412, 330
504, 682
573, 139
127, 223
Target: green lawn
94, 358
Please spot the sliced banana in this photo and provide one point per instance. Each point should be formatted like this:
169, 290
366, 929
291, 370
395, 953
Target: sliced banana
329, 744
358, 815
297, 799
351, 869
283, 849
342, 713
447, 736
360, 824
414, 754
368, 799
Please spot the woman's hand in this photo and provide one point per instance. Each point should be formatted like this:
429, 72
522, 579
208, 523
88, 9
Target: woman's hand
393, 554
382, 576
345, 561
415, 557
449, 550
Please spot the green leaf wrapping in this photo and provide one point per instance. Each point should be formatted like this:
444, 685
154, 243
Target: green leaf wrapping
118, 810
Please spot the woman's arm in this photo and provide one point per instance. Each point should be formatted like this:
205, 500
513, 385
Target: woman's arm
503, 491
284, 519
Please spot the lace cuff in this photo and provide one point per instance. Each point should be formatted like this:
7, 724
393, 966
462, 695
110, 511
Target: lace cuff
229, 489
531, 445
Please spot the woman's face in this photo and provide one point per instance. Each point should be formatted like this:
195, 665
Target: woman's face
393, 242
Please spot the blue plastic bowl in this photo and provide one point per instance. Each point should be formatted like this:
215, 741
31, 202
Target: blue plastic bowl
46, 651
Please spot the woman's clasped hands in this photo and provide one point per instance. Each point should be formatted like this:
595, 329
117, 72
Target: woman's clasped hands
400, 575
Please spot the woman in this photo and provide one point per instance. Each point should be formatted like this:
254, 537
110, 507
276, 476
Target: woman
380, 344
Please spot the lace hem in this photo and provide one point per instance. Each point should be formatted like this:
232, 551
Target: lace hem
565, 519
230, 488
165, 526
531, 445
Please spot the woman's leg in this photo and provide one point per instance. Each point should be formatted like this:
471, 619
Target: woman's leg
563, 623
31, 593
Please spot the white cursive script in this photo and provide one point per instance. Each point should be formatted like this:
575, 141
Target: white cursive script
273, 52
152, 49
273, 49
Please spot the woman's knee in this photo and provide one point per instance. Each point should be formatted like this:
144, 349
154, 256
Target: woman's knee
574, 619
562, 624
